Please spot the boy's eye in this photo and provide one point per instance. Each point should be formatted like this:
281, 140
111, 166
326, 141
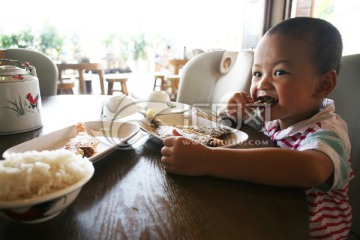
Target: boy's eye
280, 72
257, 74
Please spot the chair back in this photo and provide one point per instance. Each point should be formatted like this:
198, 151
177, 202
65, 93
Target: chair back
347, 101
46, 69
207, 77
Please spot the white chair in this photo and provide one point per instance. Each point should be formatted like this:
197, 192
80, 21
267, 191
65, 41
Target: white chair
209, 76
347, 101
46, 69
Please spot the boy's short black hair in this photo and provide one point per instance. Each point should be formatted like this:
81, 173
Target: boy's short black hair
324, 38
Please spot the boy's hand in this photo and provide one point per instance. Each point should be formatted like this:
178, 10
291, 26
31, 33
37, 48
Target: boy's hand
237, 104
235, 109
183, 156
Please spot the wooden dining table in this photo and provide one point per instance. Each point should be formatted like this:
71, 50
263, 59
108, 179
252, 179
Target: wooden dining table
81, 68
130, 195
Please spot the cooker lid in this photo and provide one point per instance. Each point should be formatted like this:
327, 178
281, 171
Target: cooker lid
10, 70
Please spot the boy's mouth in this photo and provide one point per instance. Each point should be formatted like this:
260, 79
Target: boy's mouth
267, 100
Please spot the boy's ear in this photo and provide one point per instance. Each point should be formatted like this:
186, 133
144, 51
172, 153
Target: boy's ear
326, 84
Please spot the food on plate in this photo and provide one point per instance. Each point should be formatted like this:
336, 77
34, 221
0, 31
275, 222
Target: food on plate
216, 132
32, 173
207, 135
82, 144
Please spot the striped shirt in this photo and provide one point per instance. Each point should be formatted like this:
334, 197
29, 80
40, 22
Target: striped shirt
330, 214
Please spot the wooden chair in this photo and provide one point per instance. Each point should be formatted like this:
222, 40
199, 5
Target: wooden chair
169, 81
173, 84
46, 69
176, 64
120, 78
65, 86
159, 77
81, 68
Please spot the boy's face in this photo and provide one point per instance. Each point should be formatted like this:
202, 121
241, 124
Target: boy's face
284, 71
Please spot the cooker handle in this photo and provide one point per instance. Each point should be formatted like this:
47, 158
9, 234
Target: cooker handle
26, 65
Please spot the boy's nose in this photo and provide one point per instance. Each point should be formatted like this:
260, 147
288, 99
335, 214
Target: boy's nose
264, 83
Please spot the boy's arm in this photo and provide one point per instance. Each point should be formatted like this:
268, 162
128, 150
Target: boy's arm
270, 166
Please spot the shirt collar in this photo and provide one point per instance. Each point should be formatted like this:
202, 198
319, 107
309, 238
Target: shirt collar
327, 110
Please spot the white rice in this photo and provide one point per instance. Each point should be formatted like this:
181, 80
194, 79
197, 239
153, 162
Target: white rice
29, 174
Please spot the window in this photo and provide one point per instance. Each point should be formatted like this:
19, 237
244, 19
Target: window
93, 30
345, 15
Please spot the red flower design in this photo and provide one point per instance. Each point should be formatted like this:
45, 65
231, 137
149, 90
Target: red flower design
20, 77
33, 101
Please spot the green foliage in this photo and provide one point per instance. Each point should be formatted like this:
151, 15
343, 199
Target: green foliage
109, 42
139, 47
26, 39
47, 39
23, 39
5, 41
133, 47
124, 48
50, 39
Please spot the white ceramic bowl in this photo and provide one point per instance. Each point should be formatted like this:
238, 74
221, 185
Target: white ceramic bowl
158, 101
159, 96
119, 106
45, 207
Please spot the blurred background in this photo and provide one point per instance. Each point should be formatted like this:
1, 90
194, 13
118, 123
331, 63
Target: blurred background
135, 33
140, 35
128, 31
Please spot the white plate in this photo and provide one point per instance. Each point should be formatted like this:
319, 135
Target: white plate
163, 108
236, 137
109, 133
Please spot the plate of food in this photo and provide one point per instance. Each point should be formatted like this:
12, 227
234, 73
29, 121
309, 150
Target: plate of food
92, 140
198, 129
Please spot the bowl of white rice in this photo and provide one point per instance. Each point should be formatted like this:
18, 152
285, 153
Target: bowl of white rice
37, 186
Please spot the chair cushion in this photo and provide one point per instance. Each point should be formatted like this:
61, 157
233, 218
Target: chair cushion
347, 101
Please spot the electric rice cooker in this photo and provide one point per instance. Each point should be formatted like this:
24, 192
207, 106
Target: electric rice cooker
20, 100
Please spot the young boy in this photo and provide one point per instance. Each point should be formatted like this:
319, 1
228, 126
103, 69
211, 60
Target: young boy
295, 67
